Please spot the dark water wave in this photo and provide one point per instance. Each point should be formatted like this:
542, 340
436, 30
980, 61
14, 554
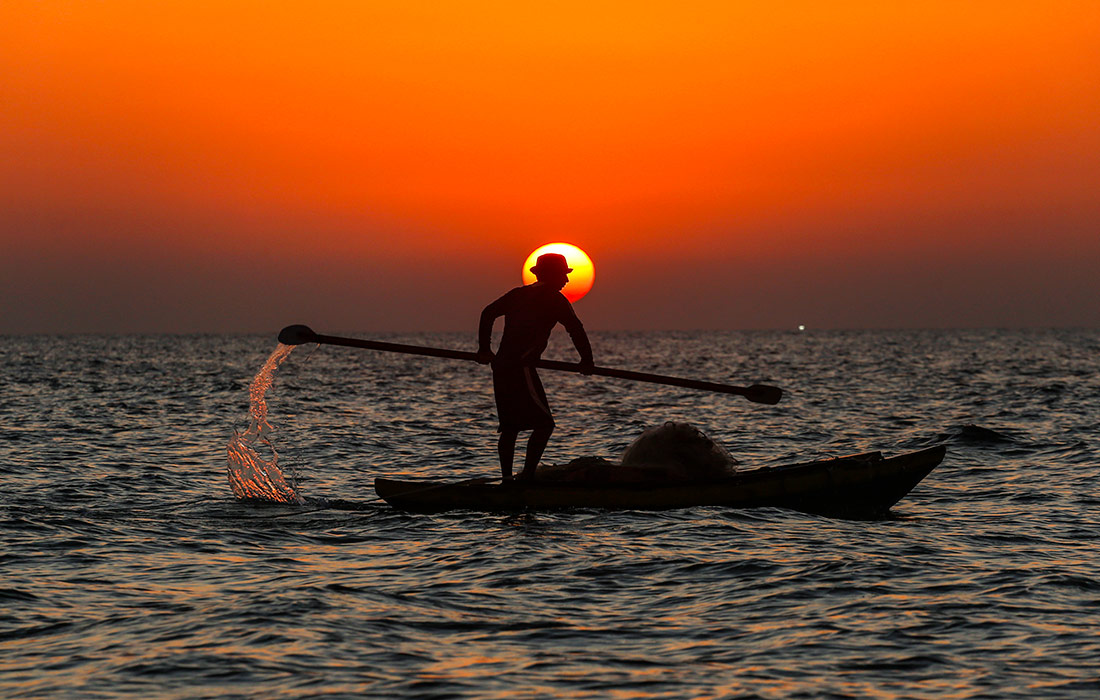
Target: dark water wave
130, 570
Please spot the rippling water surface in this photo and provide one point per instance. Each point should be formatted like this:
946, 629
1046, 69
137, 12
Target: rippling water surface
129, 569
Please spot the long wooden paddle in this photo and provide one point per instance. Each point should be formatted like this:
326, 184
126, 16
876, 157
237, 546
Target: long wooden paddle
758, 393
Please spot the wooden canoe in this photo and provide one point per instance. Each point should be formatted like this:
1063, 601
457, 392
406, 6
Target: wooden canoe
859, 486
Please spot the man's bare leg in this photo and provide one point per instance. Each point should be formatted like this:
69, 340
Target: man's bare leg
506, 448
536, 445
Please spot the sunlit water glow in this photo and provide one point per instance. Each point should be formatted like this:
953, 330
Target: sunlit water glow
250, 475
130, 570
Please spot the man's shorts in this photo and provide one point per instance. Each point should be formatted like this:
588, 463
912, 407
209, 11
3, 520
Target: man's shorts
521, 400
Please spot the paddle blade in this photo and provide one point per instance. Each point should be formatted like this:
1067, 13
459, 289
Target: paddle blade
297, 335
761, 393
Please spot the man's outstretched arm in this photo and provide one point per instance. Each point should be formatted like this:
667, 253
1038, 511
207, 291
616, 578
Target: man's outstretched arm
580, 341
579, 337
485, 330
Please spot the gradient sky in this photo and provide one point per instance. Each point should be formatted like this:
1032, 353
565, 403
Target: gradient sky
357, 166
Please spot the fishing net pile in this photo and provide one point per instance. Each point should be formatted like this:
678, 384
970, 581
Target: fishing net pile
673, 452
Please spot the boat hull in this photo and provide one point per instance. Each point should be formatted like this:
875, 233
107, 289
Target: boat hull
865, 485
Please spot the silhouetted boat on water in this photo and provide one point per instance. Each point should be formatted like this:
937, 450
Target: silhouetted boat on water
859, 486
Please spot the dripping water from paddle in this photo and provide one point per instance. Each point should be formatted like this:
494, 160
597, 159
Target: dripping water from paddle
254, 477
251, 475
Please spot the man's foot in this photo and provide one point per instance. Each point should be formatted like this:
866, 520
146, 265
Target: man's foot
526, 476
510, 483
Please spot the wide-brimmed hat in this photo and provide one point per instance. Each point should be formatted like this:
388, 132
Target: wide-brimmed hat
551, 262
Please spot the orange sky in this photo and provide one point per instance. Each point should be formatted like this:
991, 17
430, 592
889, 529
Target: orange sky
387, 166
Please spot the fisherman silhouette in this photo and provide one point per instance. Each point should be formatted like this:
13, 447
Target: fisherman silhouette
530, 314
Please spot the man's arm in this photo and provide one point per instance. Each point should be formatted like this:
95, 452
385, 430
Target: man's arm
580, 341
578, 335
485, 329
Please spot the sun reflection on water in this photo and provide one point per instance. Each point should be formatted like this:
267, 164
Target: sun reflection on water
250, 475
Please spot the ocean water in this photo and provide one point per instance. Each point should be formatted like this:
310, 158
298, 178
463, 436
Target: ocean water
128, 568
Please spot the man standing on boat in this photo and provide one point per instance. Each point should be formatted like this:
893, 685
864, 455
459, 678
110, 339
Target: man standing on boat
530, 314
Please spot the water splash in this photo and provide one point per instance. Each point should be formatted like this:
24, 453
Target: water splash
250, 475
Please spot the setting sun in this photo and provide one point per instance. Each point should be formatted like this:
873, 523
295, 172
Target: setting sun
580, 279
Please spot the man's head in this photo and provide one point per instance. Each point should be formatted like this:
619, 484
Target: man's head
551, 268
